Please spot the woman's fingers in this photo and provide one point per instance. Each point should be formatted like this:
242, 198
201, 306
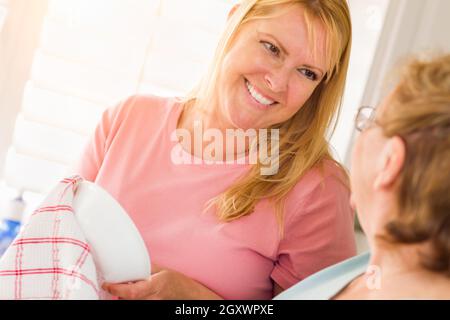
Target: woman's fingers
135, 290
131, 291
156, 268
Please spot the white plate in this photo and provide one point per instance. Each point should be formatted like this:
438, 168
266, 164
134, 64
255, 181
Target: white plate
117, 247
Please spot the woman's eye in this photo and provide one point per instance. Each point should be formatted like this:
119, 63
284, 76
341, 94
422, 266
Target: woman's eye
271, 47
311, 75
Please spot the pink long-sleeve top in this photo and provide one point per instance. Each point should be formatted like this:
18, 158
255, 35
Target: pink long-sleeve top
130, 156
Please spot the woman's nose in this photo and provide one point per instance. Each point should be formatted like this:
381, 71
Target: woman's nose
277, 80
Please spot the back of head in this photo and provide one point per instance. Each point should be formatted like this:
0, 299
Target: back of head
419, 112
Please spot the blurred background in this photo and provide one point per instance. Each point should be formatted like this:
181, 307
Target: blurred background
62, 62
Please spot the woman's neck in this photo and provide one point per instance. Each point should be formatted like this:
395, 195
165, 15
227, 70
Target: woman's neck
397, 270
395, 258
198, 120
195, 112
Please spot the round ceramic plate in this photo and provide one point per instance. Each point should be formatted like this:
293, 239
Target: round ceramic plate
117, 247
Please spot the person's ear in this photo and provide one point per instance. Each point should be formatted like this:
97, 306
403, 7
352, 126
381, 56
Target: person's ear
235, 7
392, 159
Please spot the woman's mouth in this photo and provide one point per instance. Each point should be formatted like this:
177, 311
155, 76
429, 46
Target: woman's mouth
258, 96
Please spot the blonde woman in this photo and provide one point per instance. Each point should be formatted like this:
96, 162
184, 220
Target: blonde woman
401, 181
228, 229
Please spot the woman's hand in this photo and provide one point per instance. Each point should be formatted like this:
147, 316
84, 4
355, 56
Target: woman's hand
163, 284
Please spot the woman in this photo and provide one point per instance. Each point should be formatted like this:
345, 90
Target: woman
220, 229
401, 181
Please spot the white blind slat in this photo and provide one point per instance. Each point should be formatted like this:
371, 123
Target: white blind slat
84, 81
94, 53
212, 14
178, 75
125, 53
116, 17
32, 173
162, 91
47, 142
184, 39
58, 110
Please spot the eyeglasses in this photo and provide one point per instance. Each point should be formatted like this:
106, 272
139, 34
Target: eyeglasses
365, 118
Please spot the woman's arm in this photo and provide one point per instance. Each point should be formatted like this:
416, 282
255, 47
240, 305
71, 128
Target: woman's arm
163, 284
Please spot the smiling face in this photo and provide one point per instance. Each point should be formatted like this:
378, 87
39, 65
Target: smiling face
270, 70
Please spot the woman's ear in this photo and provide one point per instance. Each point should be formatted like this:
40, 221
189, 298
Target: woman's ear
392, 161
235, 7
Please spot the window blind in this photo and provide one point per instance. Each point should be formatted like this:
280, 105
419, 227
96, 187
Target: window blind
92, 54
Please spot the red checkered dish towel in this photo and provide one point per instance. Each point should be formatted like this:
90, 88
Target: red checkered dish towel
50, 258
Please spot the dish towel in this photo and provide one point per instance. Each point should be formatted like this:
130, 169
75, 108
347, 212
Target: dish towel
50, 258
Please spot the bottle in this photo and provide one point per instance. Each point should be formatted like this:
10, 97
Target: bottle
11, 221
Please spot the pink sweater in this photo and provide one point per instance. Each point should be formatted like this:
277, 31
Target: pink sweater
130, 156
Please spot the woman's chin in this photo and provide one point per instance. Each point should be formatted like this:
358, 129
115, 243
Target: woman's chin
241, 123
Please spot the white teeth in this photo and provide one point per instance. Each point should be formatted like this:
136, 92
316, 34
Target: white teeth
258, 97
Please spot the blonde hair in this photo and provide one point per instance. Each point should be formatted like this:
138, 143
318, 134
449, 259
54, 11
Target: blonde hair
303, 142
419, 113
